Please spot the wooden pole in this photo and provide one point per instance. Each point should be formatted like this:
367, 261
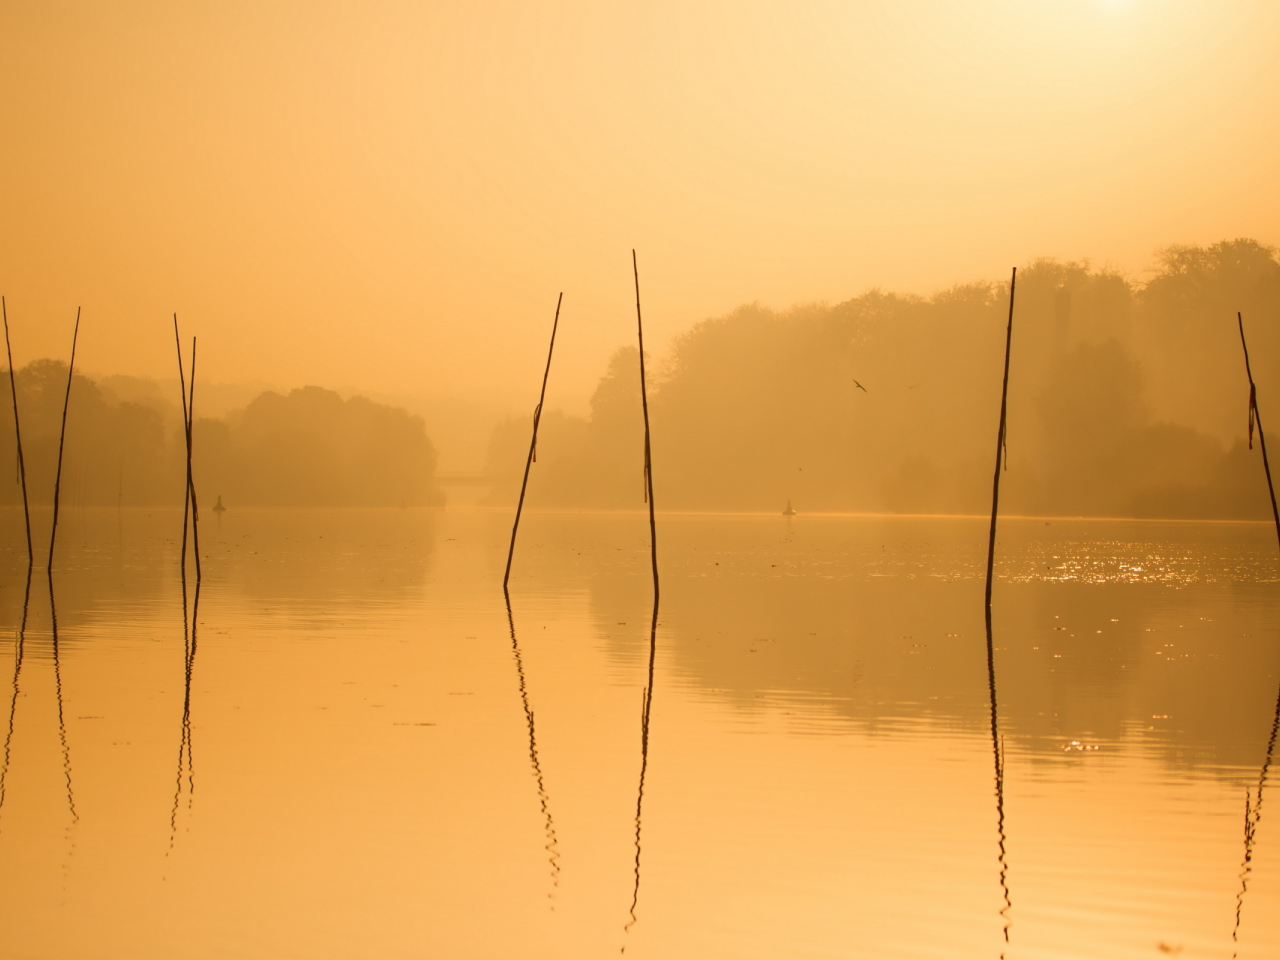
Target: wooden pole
1256, 417
646, 705
997, 752
533, 444
17, 433
191, 483
648, 458
186, 431
1253, 805
62, 439
1004, 411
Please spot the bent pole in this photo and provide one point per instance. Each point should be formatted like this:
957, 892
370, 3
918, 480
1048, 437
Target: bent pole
1254, 417
191, 483
17, 434
997, 752
186, 434
1004, 414
648, 457
62, 441
533, 444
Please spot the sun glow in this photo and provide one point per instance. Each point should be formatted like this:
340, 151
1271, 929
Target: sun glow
438, 174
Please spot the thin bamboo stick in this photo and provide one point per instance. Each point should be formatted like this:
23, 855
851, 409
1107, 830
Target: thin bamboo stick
62, 439
648, 458
533, 444
646, 706
1004, 411
17, 433
996, 751
191, 483
1253, 803
186, 430
1256, 417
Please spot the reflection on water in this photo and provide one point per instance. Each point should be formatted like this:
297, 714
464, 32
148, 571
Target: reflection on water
828, 726
186, 760
997, 752
544, 801
646, 710
57, 685
1252, 818
19, 653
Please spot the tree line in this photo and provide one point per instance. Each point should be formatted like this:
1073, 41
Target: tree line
1127, 398
125, 446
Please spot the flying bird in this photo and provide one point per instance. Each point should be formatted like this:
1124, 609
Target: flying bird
859, 386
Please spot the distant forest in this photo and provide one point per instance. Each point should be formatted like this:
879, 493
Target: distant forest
125, 446
1127, 397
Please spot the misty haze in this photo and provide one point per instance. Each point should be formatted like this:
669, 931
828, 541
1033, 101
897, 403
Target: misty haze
675, 481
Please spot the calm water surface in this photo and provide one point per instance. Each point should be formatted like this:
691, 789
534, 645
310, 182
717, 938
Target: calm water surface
362, 755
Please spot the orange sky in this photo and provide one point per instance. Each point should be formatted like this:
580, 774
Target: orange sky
388, 196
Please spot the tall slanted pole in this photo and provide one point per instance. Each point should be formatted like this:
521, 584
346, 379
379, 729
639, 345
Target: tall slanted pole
191, 484
1004, 415
17, 433
1253, 802
646, 702
1255, 417
186, 430
62, 440
648, 458
533, 444
997, 752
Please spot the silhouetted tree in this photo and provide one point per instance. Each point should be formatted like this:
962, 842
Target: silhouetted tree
1123, 399
312, 448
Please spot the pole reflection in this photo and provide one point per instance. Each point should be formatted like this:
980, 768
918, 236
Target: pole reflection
62, 723
1252, 816
653, 624
18, 652
552, 848
997, 752
186, 763
645, 714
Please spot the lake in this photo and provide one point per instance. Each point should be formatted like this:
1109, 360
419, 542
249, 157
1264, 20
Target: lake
364, 753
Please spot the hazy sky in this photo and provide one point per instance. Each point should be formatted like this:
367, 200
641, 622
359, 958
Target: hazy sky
388, 196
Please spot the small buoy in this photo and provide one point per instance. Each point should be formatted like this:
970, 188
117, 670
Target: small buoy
218, 507
788, 512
